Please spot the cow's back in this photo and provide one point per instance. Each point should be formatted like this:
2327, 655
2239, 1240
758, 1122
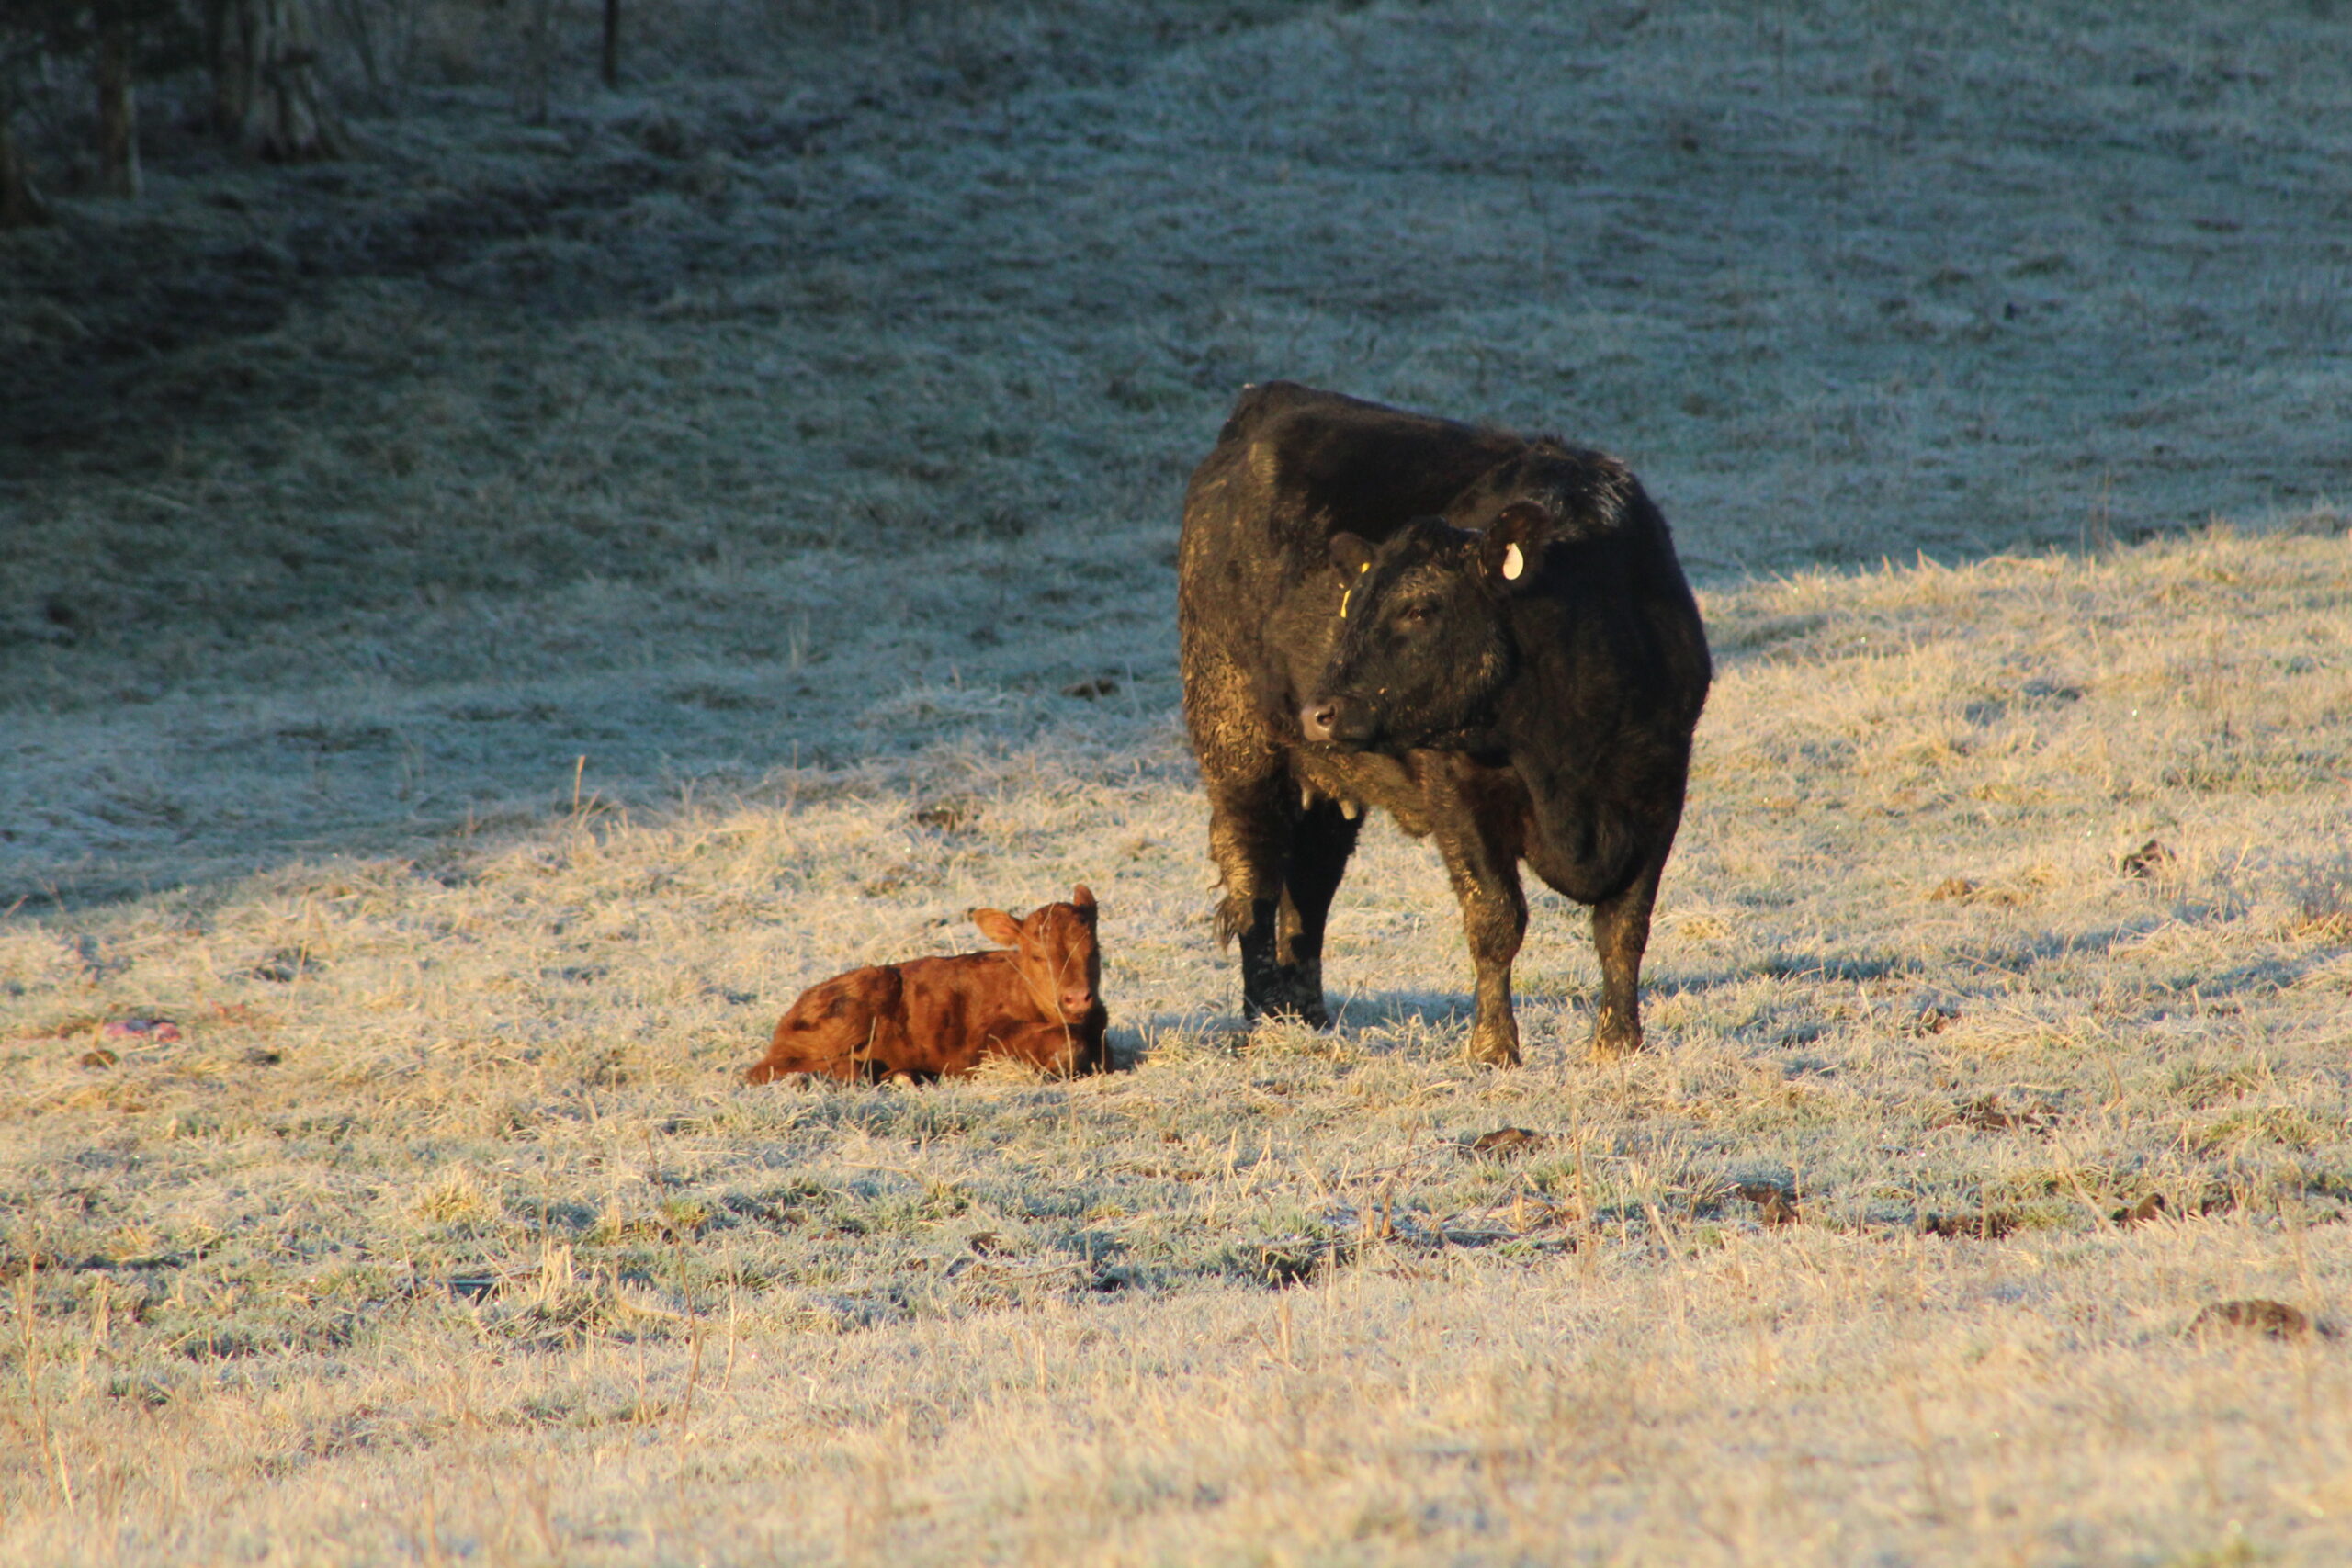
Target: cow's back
952, 1006
1293, 465
927, 1017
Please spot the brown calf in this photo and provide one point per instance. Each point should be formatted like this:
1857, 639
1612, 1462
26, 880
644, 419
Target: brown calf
933, 1017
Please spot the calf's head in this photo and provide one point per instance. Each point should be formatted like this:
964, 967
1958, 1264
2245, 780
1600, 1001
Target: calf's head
1424, 636
1053, 947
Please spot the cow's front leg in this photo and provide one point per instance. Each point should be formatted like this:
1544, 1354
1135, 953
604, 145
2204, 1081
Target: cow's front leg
1482, 862
1620, 934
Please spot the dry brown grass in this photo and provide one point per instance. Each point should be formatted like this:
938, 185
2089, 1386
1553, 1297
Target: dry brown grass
798, 442
446, 1230
362, 498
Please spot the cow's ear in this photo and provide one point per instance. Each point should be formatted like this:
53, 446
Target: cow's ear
998, 927
1351, 556
1082, 899
1511, 551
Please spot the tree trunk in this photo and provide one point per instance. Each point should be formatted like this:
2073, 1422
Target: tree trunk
538, 61
118, 116
266, 89
20, 201
612, 43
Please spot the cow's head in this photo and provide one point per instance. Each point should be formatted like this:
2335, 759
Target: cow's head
1055, 949
1424, 640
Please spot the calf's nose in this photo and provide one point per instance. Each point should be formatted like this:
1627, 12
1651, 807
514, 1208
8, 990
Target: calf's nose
1317, 720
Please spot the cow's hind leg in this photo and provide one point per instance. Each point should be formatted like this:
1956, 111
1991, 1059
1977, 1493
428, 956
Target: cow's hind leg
1319, 848
1250, 824
808, 1041
826, 1050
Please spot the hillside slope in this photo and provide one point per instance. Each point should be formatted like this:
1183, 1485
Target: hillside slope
347, 504
1999, 1008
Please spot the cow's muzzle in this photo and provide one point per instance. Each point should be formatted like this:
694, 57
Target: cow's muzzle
1335, 722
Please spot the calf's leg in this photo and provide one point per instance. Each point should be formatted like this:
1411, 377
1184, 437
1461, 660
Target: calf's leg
829, 1049
831, 1030
1053, 1048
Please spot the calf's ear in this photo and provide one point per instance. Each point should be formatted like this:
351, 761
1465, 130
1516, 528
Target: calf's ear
1082, 898
998, 927
1351, 554
1511, 551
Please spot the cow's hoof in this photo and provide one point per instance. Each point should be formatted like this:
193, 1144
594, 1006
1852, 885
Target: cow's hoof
1495, 1048
1313, 1014
1288, 1009
1613, 1036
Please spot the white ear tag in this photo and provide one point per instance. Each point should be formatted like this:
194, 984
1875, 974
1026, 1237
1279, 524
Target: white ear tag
1513, 564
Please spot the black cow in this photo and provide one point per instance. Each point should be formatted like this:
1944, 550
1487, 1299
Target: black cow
1488, 635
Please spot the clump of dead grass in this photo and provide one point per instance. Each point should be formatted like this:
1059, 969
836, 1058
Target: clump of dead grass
471, 1190
2319, 895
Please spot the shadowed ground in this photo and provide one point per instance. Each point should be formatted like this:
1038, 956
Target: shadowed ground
350, 504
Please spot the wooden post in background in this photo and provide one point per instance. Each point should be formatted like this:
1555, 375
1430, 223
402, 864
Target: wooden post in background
20, 198
117, 115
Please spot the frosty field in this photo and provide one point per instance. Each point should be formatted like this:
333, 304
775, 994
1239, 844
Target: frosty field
483, 625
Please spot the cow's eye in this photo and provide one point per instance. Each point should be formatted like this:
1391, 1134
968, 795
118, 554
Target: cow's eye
1414, 616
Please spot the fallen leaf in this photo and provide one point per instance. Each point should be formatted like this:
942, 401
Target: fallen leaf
162, 1031
949, 816
1989, 1225
2273, 1320
1775, 1204
1505, 1143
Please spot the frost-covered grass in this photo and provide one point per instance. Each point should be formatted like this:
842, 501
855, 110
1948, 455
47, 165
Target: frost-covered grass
445, 1229
483, 626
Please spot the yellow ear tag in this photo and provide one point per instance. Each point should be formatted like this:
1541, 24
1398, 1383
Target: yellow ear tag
1345, 595
1513, 564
